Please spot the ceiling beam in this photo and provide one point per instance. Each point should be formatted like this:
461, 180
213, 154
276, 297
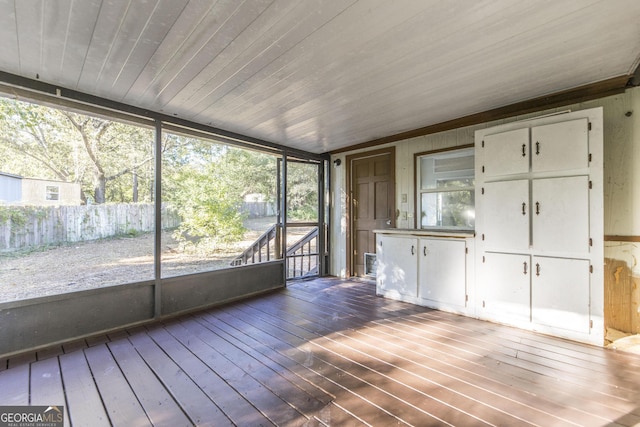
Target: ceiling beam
588, 92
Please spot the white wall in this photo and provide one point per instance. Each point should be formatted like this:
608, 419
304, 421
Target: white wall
621, 176
34, 193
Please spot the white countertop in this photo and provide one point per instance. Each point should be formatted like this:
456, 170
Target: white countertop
428, 233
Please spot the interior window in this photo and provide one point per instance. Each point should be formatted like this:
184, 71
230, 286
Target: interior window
446, 190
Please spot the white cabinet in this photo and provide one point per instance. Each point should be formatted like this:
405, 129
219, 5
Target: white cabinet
562, 146
555, 147
544, 291
560, 218
506, 215
506, 153
548, 214
506, 287
442, 271
539, 222
429, 271
396, 271
560, 293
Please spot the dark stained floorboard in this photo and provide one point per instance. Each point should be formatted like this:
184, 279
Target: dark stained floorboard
327, 352
157, 401
121, 403
46, 384
14, 385
84, 404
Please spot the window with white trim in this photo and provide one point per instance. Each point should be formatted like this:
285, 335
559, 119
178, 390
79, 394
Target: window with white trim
52, 192
446, 190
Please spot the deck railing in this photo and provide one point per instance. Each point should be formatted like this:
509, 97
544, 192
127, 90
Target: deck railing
265, 248
302, 256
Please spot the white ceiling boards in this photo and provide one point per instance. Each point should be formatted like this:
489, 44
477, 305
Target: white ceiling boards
319, 75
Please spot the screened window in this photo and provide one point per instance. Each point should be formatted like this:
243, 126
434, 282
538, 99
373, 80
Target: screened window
446, 190
52, 192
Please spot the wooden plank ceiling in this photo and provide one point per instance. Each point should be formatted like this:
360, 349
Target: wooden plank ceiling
319, 75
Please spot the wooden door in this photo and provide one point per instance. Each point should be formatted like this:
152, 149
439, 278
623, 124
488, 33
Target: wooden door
372, 187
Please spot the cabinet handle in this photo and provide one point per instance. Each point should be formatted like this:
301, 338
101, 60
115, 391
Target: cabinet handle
537, 208
413, 250
525, 267
424, 250
524, 147
537, 269
537, 148
524, 208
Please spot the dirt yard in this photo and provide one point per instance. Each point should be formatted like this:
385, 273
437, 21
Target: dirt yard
107, 262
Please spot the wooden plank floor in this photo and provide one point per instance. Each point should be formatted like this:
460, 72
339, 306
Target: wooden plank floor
327, 352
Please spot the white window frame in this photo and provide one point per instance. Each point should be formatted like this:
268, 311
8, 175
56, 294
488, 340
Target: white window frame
50, 191
463, 174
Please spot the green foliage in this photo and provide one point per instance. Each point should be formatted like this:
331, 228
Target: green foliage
207, 182
210, 213
208, 208
18, 215
102, 155
302, 186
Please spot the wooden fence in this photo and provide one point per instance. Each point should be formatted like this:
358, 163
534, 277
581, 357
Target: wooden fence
29, 226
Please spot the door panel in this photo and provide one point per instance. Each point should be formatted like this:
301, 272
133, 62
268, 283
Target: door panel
362, 204
381, 205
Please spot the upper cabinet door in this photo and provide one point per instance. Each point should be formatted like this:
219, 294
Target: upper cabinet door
506, 211
560, 146
506, 153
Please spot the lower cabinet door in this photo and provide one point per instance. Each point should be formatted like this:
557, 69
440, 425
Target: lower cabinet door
397, 266
560, 293
442, 271
506, 288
